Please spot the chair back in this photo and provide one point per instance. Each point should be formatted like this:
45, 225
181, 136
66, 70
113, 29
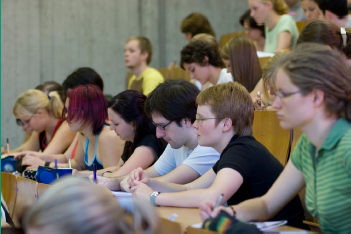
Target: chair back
226, 37
179, 73
297, 134
169, 227
267, 131
263, 61
300, 25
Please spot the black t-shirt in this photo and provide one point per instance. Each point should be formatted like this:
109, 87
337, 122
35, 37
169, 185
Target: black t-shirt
158, 145
259, 169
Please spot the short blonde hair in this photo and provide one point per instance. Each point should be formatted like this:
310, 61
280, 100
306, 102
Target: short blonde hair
205, 37
279, 6
74, 205
230, 100
144, 45
29, 102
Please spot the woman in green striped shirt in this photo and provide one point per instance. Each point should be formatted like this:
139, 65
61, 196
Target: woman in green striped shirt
314, 93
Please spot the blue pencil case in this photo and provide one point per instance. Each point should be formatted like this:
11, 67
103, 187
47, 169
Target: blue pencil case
47, 175
8, 164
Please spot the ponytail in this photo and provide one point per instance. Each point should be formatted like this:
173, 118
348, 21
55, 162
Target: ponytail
346, 37
56, 105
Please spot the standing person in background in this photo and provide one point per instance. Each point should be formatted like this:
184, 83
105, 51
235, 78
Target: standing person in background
240, 58
311, 9
253, 31
280, 28
194, 24
295, 9
334, 11
137, 56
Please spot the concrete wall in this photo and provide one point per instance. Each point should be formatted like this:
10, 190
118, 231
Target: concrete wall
44, 40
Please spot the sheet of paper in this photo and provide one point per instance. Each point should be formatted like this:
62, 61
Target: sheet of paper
121, 194
197, 225
261, 54
268, 225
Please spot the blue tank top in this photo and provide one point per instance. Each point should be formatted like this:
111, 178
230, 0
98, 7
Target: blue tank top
95, 161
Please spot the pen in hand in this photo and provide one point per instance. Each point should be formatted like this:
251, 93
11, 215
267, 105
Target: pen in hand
219, 201
8, 145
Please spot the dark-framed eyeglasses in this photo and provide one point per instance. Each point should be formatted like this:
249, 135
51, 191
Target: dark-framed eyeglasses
23, 122
285, 95
162, 127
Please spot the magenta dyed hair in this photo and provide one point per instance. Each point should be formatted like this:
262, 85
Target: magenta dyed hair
88, 104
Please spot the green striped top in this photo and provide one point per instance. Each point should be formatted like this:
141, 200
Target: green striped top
327, 175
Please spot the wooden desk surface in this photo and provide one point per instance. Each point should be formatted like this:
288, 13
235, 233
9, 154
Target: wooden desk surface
189, 216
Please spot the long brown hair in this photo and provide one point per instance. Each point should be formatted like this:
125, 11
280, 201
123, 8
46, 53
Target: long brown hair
245, 66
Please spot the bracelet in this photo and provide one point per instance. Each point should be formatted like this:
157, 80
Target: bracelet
234, 213
106, 172
47, 164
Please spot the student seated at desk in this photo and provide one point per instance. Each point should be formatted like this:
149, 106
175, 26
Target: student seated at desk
202, 60
46, 87
246, 169
42, 113
74, 205
311, 9
129, 121
194, 24
86, 113
334, 11
280, 28
137, 56
172, 108
314, 93
240, 58
81, 76
253, 31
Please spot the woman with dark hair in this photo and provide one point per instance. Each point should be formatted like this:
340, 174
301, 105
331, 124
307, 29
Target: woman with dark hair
130, 122
253, 31
240, 58
82, 76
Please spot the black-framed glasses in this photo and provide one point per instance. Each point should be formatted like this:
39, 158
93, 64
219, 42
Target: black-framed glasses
200, 120
285, 95
162, 127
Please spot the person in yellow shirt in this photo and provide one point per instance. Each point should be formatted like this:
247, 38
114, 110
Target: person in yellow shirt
137, 57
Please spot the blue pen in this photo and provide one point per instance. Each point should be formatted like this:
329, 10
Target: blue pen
94, 169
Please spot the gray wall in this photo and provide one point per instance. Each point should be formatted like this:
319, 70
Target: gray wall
44, 40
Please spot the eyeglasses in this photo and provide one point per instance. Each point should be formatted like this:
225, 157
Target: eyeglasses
23, 122
200, 120
162, 127
284, 95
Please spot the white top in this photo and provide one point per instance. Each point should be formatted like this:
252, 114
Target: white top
224, 77
201, 159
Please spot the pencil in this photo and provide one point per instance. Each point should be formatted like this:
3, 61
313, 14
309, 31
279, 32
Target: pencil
219, 201
94, 168
8, 145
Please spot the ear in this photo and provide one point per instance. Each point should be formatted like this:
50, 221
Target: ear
144, 55
227, 124
318, 98
133, 124
187, 123
40, 112
328, 15
205, 61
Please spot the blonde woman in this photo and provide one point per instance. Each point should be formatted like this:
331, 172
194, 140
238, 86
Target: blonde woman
74, 205
42, 113
280, 28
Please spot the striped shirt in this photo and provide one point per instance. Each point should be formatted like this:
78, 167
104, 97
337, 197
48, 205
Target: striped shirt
327, 174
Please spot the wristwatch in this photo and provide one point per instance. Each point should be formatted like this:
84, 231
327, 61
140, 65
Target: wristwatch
153, 196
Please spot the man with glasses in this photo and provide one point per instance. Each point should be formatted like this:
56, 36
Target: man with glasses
246, 169
173, 110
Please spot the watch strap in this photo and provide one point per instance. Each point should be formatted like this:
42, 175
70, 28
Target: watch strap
153, 196
47, 164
